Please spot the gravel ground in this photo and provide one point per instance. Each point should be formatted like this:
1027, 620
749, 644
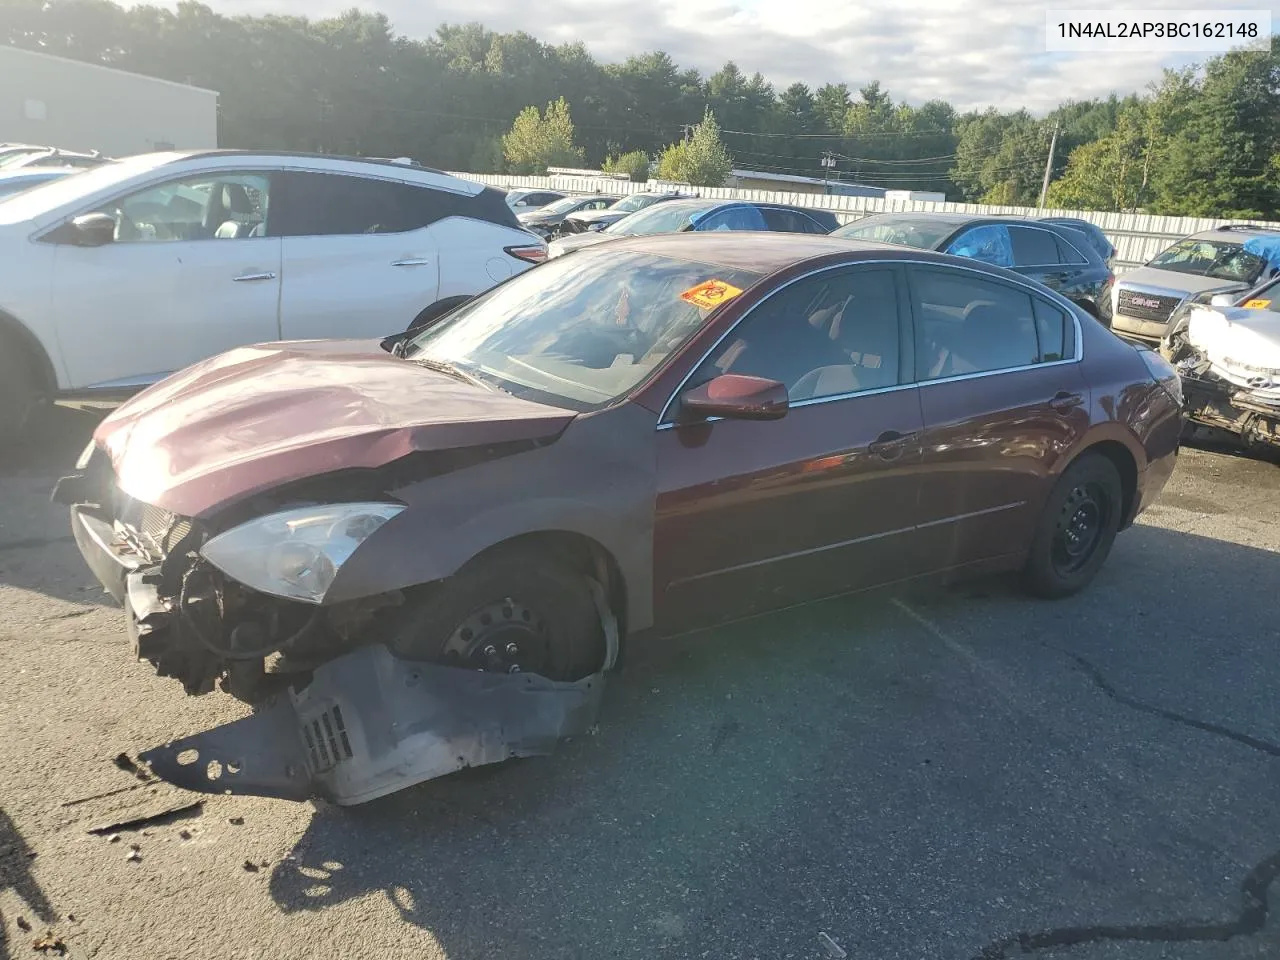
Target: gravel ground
969, 774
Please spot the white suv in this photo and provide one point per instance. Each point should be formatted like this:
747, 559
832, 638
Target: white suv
116, 277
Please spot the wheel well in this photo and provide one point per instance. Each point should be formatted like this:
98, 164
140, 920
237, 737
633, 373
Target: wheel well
15, 332
581, 553
1125, 465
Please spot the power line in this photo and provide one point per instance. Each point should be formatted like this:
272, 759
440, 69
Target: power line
844, 136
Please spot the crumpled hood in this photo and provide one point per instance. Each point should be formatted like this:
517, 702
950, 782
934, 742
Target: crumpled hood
1242, 346
1176, 283
256, 417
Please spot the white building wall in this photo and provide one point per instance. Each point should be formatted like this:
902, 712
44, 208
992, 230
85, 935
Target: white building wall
57, 102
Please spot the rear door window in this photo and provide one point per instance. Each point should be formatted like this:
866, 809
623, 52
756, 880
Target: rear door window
789, 221
326, 204
1033, 248
967, 324
734, 218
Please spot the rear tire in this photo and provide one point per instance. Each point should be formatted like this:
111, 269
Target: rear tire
20, 396
1076, 530
519, 608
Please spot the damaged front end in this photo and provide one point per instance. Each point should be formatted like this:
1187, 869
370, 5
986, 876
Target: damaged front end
1229, 361
343, 710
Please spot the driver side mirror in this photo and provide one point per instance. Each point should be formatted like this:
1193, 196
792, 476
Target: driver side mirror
1222, 299
734, 396
90, 230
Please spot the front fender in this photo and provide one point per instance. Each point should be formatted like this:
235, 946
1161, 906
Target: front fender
597, 480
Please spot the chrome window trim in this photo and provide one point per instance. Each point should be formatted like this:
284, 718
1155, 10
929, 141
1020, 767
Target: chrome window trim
1035, 291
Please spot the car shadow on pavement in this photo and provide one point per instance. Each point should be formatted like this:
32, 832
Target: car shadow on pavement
966, 773
55, 441
37, 551
15, 875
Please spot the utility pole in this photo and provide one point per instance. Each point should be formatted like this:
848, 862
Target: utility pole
828, 164
1048, 167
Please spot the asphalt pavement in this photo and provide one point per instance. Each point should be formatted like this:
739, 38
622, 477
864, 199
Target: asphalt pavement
968, 774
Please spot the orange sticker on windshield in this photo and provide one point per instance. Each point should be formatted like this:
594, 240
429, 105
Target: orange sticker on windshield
1257, 304
711, 294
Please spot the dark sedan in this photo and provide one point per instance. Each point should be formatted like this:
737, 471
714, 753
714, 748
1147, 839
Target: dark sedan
1060, 257
659, 433
546, 221
686, 216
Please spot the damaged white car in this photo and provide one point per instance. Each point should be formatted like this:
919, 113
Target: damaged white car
1228, 356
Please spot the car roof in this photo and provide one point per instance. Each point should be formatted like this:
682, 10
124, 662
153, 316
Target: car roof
412, 173
34, 173
767, 253
1231, 233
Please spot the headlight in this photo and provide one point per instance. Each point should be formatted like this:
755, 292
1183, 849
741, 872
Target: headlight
296, 553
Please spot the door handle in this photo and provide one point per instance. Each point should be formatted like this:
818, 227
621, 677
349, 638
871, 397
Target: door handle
1063, 401
889, 445
246, 277
411, 262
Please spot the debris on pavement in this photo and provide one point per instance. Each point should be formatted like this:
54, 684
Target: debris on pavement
135, 853
24, 925
114, 838
49, 943
833, 949
126, 763
236, 821
184, 834
250, 866
178, 810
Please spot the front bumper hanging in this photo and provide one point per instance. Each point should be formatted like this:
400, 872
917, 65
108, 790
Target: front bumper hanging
368, 724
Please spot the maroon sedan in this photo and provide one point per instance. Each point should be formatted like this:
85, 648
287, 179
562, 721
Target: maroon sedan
663, 433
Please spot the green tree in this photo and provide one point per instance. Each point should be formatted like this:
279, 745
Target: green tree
1219, 156
702, 160
831, 103
634, 164
1000, 157
540, 141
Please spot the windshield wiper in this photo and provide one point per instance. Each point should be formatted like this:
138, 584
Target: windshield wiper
448, 369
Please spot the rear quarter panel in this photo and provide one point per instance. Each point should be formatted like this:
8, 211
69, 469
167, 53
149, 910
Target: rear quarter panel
1129, 408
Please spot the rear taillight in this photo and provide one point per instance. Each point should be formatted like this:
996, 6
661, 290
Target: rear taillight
529, 253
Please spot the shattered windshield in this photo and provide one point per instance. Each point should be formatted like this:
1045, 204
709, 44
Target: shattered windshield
1211, 258
578, 331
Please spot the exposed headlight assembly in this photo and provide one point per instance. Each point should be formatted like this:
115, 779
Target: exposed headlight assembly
296, 553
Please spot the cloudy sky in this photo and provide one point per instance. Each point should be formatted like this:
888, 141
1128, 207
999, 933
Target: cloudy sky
973, 53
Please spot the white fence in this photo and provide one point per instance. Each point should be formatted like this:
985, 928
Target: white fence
1137, 237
